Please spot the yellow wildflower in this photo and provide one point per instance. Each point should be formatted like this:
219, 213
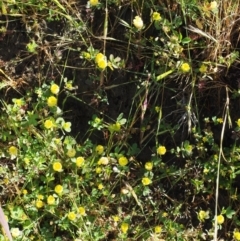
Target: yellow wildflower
115, 218
124, 227
103, 161
71, 153
100, 186
67, 126
202, 215
13, 151
79, 161
123, 161
82, 211
25, 192
161, 150
58, 189
52, 101
158, 229
98, 170
146, 181
48, 124
99, 149
94, 2
138, 22
203, 69
156, 16
51, 200
57, 166
238, 122
220, 120
71, 216
39, 203
16, 232
149, 166
220, 219
185, 67
236, 235
54, 89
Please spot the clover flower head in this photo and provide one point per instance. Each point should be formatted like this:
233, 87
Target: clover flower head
71, 216
82, 211
236, 235
124, 227
123, 161
49, 124
51, 200
94, 2
100, 186
99, 149
148, 166
13, 151
161, 150
67, 126
54, 89
220, 219
146, 181
39, 203
71, 153
202, 215
52, 101
103, 161
98, 170
79, 161
156, 16
138, 22
57, 166
101, 61
185, 67
238, 122
203, 69
58, 189
16, 232
158, 229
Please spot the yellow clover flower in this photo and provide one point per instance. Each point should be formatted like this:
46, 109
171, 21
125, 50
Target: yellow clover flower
71, 216
123, 161
100, 186
156, 16
71, 153
203, 69
220, 219
51, 200
99, 149
103, 161
238, 122
94, 2
54, 89
13, 151
52, 101
25, 192
146, 181
161, 150
149, 166
58, 189
67, 126
16, 232
39, 203
48, 124
98, 170
79, 161
158, 229
101, 61
82, 211
185, 67
138, 22
202, 215
57, 166
124, 227
236, 235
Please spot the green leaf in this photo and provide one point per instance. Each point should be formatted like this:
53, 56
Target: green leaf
186, 40
229, 212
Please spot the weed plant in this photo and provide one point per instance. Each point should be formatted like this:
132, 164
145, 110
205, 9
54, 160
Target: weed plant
120, 120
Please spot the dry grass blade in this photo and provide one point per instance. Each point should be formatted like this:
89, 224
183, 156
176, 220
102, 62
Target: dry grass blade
4, 224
